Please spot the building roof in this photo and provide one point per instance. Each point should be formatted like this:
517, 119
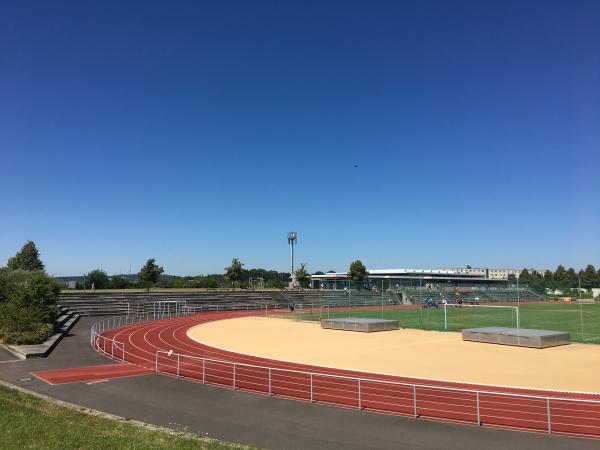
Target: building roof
437, 274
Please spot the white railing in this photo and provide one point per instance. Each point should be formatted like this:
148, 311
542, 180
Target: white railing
522, 411
540, 413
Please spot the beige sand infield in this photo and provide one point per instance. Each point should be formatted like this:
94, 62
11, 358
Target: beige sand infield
411, 353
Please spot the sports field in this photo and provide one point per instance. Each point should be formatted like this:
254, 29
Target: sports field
581, 320
417, 354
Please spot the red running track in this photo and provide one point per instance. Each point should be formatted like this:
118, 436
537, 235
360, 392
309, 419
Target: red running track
91, 373
498, 406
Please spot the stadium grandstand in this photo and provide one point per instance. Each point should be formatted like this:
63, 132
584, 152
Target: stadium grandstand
416, 285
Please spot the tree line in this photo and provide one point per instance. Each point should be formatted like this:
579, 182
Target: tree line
560, 279
235, 276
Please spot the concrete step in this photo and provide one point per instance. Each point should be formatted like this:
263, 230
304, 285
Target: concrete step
44, 349
63, 318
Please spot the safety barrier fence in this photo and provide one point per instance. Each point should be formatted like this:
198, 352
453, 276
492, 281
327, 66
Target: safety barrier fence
115, 349
479, 407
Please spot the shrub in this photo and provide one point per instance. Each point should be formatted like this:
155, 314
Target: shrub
27, 306
119, 282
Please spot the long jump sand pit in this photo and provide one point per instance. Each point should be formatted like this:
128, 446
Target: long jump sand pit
409, 353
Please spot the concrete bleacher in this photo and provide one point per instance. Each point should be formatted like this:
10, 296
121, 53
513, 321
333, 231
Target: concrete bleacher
474, 296
106, 304
340, 298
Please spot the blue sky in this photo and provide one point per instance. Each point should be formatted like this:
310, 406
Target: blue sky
195, 132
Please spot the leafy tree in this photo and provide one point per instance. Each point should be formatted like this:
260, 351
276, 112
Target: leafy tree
119, 282
150, 273
524, 277
302, 275
536, 281
28, 258
275, 283
560, 278
98, 278
572, 279
589, 278
234, 272
357, 272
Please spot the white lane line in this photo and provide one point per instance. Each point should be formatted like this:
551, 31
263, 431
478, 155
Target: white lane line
96, 381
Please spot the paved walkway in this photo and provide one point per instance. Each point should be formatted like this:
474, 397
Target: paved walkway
5, 355
257, 420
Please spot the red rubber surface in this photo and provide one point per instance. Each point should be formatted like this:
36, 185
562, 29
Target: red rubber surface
142, 341
91, 373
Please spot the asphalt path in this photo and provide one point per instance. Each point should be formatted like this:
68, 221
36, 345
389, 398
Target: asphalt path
257, 420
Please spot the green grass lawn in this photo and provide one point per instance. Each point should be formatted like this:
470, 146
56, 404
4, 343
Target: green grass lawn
29, 422
551, 316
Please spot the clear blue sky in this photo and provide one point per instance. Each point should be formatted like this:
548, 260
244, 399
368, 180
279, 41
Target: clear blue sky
195, 132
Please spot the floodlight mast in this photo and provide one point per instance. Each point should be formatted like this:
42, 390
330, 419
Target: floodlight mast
292, 239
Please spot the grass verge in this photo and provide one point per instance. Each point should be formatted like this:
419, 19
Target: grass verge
30, 422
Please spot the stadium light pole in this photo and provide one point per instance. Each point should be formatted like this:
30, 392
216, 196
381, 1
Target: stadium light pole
292, 239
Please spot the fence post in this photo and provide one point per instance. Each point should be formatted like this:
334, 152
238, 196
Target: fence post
415, 401
478, 411
112, 348
549, 417
234, 376
177, 365
156, 366
359, 395
270, 392
203, 370
311, 387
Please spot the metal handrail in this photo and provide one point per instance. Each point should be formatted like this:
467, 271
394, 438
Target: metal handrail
372, 380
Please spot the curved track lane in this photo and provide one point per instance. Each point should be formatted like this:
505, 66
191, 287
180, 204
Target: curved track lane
434, 399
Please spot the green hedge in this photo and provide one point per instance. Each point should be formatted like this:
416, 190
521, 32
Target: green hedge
27, 306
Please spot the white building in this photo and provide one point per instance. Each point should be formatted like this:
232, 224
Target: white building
492, 274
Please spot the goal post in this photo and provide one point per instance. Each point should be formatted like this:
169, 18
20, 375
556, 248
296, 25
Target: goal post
162, 309
488, 315
325, 312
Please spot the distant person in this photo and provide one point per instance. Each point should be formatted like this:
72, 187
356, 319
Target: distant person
346, 291
292, 307
93, 287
